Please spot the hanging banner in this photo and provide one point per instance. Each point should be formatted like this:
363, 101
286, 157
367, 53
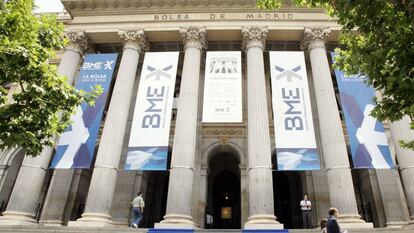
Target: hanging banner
222, 87
293, 124
148, 143
369, 145
76, 145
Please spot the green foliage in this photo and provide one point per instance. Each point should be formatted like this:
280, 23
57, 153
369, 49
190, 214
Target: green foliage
43, 105
383, 49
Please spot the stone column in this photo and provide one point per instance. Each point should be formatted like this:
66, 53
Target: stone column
27, 189
400, 130
259, 166
103, 181
393, 200
178, 214
341, 189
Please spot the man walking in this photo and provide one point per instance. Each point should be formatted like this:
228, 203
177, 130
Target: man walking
137, 210
305, 207
332, 226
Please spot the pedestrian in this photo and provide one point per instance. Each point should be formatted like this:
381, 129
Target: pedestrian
323, 225
332, 225
209, 220
306, 207
137, 210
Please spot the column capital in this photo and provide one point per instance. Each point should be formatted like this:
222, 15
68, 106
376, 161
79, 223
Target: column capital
134, 38
195, 37
314, 37
254, 36
78, 41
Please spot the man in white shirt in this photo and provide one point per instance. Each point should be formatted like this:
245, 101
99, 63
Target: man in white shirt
137, 210
305, 207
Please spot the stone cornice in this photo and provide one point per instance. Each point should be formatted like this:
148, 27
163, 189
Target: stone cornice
254, 36
315, 37
134, 38
194, 37
119, 7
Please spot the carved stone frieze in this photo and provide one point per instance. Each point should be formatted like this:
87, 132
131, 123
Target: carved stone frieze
78, 41
315, 37
254, 36
134, 39
194, 37
224, 133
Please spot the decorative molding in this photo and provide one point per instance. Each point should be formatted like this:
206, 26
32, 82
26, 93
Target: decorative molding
194, 37
254, 36
78, 41
224, 133
315, 37
134, 38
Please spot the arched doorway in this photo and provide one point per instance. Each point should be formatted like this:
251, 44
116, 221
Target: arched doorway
223, 199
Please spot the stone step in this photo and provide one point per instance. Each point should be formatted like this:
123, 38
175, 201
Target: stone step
63, 229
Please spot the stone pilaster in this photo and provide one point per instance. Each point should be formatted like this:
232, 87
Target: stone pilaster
178, 214
400, 130
259, 154
27, 189
333, 144
103, 182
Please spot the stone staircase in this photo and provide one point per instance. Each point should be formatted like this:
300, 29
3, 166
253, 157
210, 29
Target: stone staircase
63, 229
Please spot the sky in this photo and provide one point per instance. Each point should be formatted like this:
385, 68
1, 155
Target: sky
49, 5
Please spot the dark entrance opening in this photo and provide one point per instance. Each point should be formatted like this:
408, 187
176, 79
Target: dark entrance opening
155, 195
287, 194
223, 200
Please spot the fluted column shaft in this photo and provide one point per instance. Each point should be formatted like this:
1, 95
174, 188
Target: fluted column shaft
400, 130
179, 201
341, 189
259, 155
27, 189
103, 181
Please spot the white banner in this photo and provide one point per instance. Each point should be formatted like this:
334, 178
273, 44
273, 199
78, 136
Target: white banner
222, 87
148, 143
294, 132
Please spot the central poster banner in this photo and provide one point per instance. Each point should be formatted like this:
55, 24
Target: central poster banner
148, 143
293, 124
222, 87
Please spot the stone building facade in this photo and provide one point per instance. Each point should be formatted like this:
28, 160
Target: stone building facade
211, 165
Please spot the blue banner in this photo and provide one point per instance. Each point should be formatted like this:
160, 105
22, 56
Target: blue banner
77, 144
369, 145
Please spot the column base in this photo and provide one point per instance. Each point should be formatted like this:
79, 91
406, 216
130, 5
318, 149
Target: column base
353, 221
51, 223
176, 221
93, 220
17, 218
262, 221
396, 224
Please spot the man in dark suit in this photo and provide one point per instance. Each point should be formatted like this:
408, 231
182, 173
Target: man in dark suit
332, 226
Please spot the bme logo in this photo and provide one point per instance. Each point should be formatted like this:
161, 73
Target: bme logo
97, 65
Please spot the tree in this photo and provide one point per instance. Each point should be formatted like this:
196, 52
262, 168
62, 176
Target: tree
43, 105
382, 48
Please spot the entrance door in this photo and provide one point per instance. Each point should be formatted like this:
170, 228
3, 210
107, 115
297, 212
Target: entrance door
223, 200
287, 192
